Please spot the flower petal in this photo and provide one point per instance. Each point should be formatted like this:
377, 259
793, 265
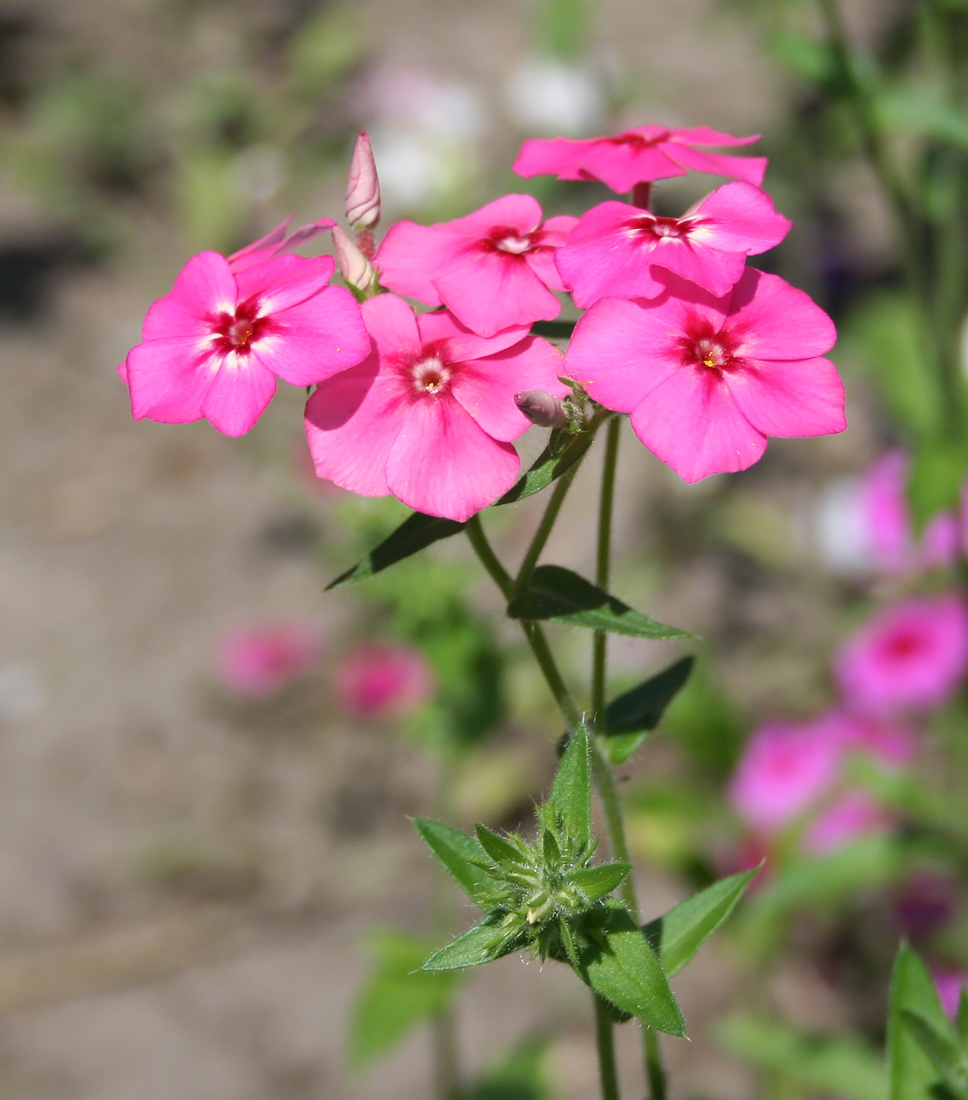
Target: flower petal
315, 339
693, 424
444, 464
352, 421
168, 379
204, 286
490, 291
485, 388
458, 342
777, 321
750, 169
238, 395
411, 257
739, 217
392, 325
284, 281
518, 212
790, 397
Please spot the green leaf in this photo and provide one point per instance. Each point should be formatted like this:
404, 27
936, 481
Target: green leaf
416, 533
678, 935
596, 882
496, 846
518, 1075
631, 716
396, 998
840, 1066
481, 944
942, 1051
461, 855
622, 967
937, 474
911, 1074
570, 801
562, 596
561, 453
961, 1020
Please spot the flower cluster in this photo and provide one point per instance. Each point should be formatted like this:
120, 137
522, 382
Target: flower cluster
708, 355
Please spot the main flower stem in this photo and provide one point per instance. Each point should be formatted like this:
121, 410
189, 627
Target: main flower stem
533, 552
603, 562
605, 1042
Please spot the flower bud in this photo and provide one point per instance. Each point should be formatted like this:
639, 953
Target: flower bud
355, 268
363, 187
541, 408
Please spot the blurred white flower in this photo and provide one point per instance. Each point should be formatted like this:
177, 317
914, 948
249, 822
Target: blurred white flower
552, 97
839, 529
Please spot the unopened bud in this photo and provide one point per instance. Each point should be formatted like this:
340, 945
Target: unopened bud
355, 268
363, 187
541, 408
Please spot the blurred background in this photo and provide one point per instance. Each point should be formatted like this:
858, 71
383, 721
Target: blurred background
209, 887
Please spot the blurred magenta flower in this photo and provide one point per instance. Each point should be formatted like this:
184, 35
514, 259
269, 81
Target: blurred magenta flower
492, 269
708, 379
214, 346
257, 659
621, 251
949, 983
789, 769
382, 681
429, 416
912, 655
638, 155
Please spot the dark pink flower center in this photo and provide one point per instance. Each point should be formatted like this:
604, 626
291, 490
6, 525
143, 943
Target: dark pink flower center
703, 346
650, 228
903, 644
430, 375
236, 332
637, 141
505, 238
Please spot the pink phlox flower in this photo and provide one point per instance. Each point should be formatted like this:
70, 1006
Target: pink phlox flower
949, 983
260, 658
785, 769
276, 242
429, 416
493, 269
912, 655
383, 681
707, 379
620, 251
638, 155
214, 346
855, 814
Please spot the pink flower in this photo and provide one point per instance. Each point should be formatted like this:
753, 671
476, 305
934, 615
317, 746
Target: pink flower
492, 269
785, 769
950, 984
852, 816
621, 251
260, 658
215, 344
430, 415
638, 156
912, 655
382, 681
708, 379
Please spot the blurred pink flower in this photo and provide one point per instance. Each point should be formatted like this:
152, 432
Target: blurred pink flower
257, 659
912, 655
382, 681
638, 155
854, 815
949, 983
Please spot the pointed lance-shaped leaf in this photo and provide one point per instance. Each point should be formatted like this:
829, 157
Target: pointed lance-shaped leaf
631, 716
497, 847
561, 596
556, 459
597, 882
481, 944
911, 1076
961, 1019
678, 935
570, 799
942, 1051
622, 967
462, 855
416, 533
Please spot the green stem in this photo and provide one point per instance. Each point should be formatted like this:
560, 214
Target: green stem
446, 1068
605, 1042
603, 568
500, 576
544, 528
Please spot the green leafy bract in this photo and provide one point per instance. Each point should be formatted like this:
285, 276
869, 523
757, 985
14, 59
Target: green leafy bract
912, 1076
463, 856
630, 717
678, 935
569, 805
483, 943
416, 533
561, 596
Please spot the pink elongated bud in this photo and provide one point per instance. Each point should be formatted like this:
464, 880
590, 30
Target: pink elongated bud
355, 268
363, 187
541, 408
